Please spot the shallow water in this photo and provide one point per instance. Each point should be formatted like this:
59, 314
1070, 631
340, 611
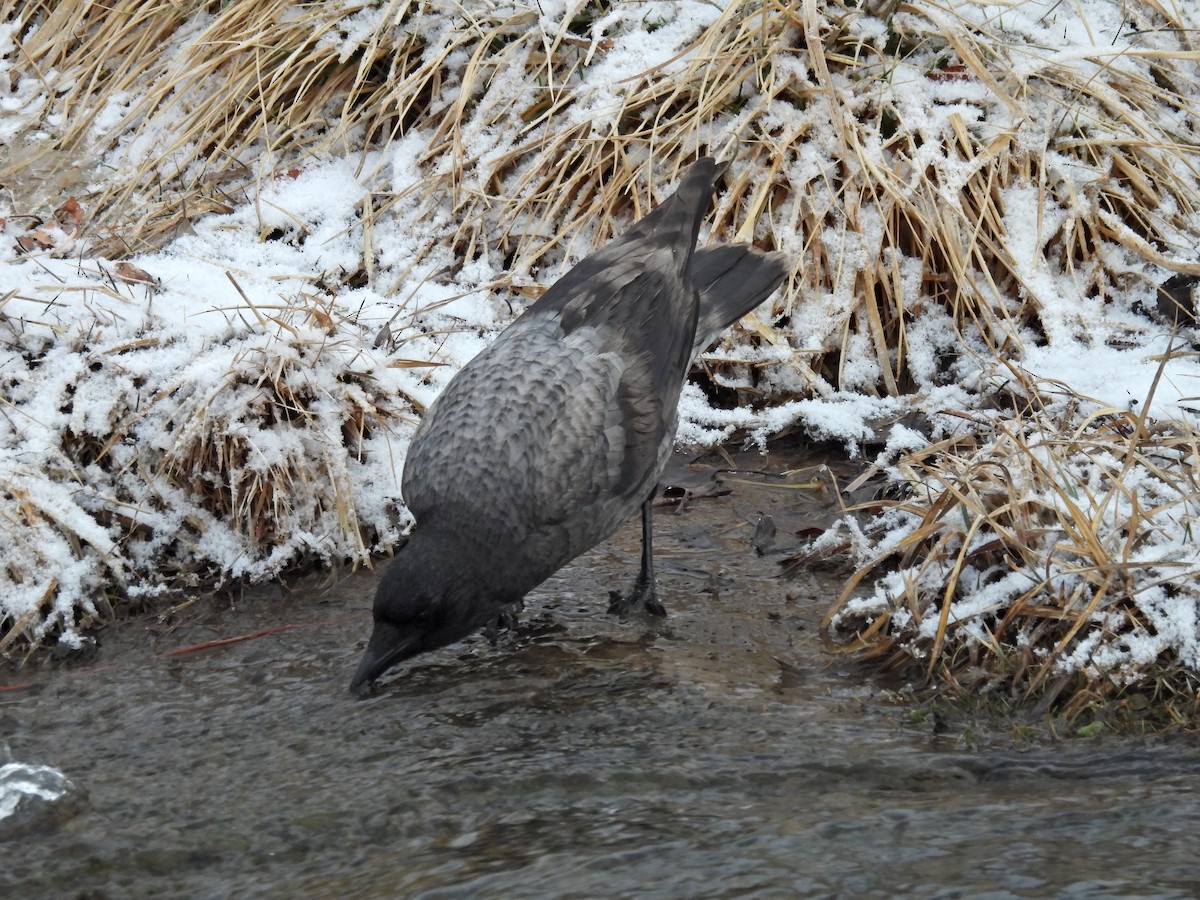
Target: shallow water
717, 753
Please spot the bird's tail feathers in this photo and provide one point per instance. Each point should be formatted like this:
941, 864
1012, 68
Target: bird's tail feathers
676, 221
732, 279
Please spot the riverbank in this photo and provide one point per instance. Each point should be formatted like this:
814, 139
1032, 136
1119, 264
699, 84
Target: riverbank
227, 294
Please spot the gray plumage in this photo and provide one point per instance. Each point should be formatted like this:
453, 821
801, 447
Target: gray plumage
551, 438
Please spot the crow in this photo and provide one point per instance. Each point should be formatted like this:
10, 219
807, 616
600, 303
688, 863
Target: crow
546, 442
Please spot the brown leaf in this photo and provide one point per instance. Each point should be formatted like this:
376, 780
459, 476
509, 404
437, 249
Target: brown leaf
71, 215
225, 176
35, 240
957, 72
131, 274
322, 319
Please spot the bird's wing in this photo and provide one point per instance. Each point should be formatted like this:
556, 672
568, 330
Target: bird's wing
566, 414
604, 438
540, 428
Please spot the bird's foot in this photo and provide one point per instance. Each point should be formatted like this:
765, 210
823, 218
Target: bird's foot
642, 599
506, 620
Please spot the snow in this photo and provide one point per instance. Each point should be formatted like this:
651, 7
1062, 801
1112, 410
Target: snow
238, 321
23, 786
1123, 378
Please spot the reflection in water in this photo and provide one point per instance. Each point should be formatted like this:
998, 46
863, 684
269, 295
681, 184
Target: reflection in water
716, 753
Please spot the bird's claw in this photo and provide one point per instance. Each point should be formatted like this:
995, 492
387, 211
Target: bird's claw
643, 598
506, 620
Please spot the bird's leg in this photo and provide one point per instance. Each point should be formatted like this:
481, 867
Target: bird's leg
645, 590
506, 619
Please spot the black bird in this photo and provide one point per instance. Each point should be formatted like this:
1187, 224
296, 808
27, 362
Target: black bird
550, 439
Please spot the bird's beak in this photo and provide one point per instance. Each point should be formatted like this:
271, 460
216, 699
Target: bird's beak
387, 646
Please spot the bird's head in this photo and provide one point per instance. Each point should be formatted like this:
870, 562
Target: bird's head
420, 605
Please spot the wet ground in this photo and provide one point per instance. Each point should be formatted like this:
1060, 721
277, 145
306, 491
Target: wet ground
718, 753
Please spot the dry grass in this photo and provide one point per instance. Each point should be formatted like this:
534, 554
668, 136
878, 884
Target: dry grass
1040, 558
226, 457
1017, 167
152, 489
42, 527
887, 216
